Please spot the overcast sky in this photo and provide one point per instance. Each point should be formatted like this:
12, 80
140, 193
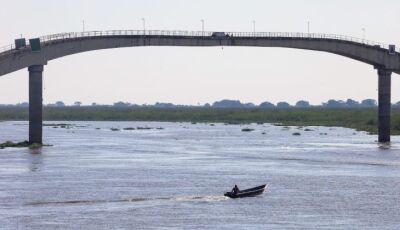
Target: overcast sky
184, 75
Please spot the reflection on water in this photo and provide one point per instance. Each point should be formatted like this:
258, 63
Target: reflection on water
107, 175
385, 145
36, 151
35, 161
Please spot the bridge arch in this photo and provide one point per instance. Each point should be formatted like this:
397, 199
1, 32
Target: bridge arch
44, 49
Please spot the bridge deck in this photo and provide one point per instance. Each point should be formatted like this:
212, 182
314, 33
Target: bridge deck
63, 44
205, 34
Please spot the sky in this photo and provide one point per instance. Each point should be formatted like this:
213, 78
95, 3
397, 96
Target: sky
198, 75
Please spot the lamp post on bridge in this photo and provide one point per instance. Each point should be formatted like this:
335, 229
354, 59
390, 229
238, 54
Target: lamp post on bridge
202, 26
254, 27
144, 25
83, 25
363, 30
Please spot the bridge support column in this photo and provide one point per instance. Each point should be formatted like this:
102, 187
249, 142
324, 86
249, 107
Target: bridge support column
384, 104
35, 104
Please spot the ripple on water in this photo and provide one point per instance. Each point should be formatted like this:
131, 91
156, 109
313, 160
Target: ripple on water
95, 178
132, 200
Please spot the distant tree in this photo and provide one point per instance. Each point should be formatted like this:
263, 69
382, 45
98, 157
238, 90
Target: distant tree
207, 105
77, 103
283, 105
60, 104
352, 103
267, 105
164, 105
335, 104
121, 104
23, 104
249, 105
396, 105
369, 103
94, 104
302, 104
227, 104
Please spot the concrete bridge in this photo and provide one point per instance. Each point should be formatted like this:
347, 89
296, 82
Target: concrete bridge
385, 59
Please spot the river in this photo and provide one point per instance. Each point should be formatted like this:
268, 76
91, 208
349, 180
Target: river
173, 176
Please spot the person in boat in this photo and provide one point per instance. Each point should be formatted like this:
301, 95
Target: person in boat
235, 189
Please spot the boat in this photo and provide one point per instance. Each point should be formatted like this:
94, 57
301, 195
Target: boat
247, 193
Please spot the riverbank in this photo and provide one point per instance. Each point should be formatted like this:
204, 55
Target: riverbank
359, 119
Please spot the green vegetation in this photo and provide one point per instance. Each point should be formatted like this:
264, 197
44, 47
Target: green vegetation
62, 125
24, 144
143, 128
129, 128
247, 130
360, 119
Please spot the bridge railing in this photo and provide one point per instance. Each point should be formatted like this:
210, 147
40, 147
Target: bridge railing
64, 36
6, 48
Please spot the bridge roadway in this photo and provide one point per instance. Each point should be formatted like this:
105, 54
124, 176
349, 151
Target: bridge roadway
51, 47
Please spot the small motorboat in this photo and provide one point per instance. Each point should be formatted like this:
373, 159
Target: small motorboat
247, 193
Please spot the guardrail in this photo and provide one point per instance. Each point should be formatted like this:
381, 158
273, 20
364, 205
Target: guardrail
64, 36
6, 48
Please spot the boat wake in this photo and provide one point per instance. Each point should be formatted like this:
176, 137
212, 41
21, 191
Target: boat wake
202, 198
179, 199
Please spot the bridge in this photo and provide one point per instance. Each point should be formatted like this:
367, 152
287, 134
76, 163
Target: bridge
35, 55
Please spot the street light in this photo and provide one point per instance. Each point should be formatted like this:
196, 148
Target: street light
308, 26
83, 25
363, 29
144, 25
254, 26
202, 26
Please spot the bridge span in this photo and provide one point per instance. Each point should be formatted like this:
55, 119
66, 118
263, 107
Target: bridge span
384, 58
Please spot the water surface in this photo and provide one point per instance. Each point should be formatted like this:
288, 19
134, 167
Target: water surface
173, 176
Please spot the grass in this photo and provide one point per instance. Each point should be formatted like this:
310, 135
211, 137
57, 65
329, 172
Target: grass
129, 128
247, 130
359, 119
24, 144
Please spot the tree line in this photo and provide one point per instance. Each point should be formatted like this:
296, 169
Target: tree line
232, 104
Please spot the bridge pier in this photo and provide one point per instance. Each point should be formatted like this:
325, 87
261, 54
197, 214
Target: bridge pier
35, 104
384, 104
